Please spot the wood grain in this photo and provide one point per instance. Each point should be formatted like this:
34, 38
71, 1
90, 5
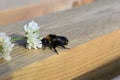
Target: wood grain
74, 62
14, 11
92, 41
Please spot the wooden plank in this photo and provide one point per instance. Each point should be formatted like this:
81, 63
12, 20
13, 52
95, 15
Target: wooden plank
14, 10
8, 4
76, 62
27, 9
98, 19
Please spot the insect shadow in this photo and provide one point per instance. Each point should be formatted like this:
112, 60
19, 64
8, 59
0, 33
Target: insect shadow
19, 42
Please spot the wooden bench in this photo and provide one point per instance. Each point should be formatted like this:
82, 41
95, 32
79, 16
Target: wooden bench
14, 10
94, 53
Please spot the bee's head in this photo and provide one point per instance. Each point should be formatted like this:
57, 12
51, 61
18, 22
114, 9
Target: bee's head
45, 41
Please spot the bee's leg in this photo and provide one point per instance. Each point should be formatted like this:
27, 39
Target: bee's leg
44, 47
50, 46
64, 47
55, 50
54, 47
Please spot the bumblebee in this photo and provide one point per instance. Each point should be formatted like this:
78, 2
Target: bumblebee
52, 41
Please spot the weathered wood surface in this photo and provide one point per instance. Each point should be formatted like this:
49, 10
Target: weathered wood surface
8, 4
77, 62
18, 10
81, 26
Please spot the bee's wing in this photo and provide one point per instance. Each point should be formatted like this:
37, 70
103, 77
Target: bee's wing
54, 39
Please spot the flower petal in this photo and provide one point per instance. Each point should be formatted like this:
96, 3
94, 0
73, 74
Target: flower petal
7, 57
6, 46
33, 37
25, 28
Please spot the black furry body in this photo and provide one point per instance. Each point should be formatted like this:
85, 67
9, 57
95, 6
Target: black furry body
52, 41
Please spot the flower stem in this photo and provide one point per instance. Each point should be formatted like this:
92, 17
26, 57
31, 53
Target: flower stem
40, 37
1, 48
16, 39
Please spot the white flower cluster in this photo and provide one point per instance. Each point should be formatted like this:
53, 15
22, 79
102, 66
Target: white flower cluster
32, 34
33, 40
6, 46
